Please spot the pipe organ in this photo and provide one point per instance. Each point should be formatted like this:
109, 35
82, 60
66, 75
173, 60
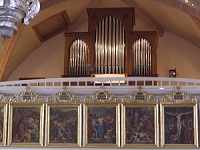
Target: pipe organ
111, 46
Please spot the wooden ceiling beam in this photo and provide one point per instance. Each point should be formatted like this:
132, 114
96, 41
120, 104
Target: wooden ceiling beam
49, 3
143, 15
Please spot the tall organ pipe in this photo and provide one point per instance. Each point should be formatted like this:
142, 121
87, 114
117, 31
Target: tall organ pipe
102, 47
106, 45
113, 44
109, 46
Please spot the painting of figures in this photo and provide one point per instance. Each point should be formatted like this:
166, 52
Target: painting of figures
140, 125
179, 125
63, 125
26, 125
101, 125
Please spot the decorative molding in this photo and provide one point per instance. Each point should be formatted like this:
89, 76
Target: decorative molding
101, 96
27, 97
64, 97
140, 96
178, 97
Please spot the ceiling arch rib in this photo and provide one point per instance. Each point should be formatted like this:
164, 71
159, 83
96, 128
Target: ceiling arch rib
182, 7
8, 50
194, 12
81, 15
142, 14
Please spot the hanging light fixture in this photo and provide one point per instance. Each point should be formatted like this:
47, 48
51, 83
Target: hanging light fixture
14, 11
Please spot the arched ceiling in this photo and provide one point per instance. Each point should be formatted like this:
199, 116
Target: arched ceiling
56, 16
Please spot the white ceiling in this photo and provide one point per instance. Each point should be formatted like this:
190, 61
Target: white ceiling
175, 16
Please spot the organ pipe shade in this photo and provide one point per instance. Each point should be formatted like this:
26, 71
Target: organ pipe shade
78, 58
109, 46
142, 57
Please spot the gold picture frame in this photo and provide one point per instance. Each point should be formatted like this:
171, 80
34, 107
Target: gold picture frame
3, 119
63, 120
179, 120
101, 120
26, 120
139, 117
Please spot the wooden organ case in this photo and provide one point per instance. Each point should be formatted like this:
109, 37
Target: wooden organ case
111, 46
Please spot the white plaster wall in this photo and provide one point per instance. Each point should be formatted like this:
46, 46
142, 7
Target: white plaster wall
46, 61
173, 52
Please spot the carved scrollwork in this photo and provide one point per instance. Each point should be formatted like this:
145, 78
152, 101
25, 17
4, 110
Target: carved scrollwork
27, 97
178, 97
33, 9
64, 97
3, 99
101, 96
140, 97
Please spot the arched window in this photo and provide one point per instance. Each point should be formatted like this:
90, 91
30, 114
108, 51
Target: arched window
78, 58
109, 46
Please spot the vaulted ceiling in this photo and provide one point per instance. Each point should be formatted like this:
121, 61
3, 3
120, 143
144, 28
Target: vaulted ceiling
181, 17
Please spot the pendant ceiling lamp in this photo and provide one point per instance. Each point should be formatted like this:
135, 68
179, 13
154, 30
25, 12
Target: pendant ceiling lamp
14, 11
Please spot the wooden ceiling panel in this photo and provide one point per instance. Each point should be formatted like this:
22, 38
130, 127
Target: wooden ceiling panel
52, 26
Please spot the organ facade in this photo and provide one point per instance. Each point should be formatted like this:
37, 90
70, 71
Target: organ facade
111, 46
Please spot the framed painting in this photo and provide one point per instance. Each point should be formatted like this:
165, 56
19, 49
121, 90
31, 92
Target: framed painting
179, 120
139, 120
3, 119
101, 120
63, 120
26, 120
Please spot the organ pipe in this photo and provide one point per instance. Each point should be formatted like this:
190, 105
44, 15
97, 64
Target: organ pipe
109, 46
78, 58
113, 46
106, 45
142, 59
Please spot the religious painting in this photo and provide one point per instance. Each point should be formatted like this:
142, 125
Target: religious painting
26, 114
179, 123
101, 120
3, 119
63, 120
139, 120
101, 125
26, 124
